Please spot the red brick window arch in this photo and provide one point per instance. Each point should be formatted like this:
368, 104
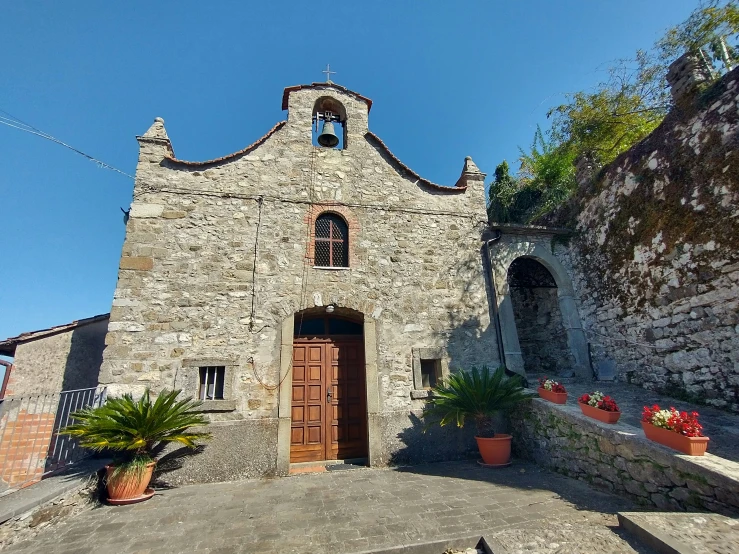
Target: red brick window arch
331, 241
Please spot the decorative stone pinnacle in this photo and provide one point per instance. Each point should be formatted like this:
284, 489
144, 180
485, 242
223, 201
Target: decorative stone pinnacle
470, 166
470, 173
156, 131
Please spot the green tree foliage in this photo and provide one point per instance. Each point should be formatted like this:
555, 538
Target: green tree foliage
713, 28
546, 178
502, 193
618, 113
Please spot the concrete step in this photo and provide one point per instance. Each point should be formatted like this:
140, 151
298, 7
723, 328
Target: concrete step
683, 533
327, 465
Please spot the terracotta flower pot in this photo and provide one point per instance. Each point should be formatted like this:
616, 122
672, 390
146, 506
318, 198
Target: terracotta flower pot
693, 446
128, 485
495, 450
597, 413
556, 397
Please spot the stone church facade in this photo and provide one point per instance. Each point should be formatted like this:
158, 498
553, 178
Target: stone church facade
309, 295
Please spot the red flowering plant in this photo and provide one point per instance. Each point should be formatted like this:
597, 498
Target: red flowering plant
680, 422
599, 400
551, 385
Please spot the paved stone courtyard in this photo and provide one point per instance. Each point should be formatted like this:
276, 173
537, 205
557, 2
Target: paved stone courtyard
523, 508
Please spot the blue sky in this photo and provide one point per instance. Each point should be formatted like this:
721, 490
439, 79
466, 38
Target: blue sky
448, 79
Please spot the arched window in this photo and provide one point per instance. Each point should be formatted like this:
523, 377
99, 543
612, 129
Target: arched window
331, 241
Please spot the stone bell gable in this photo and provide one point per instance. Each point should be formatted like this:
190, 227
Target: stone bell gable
262, 167
225, 259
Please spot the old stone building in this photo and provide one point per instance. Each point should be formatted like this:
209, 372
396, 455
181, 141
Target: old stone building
64, 357
309, 294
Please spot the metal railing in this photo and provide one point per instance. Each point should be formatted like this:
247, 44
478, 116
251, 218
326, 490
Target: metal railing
30, 448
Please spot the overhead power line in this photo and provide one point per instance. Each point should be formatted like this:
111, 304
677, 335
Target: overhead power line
15, 123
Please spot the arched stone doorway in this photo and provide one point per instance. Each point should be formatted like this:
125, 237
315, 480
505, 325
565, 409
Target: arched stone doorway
538, 318
534, 243
324, 350
329, 403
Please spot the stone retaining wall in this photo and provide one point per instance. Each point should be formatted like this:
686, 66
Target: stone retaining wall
654, 261
618, 458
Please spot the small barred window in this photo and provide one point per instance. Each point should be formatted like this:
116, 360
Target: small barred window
331, 242
211, 382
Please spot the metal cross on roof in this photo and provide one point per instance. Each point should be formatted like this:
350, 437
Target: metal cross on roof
328, 72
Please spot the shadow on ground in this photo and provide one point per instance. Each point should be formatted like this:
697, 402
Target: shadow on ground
523, 477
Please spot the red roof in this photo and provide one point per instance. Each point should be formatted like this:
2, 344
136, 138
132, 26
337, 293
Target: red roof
227, 157
407, 170
345, 90
7, 346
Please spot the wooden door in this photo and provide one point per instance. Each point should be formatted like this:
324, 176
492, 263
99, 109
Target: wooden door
329, 415
348, 416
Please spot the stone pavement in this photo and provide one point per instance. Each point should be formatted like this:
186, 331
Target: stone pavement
721, 426
523, 508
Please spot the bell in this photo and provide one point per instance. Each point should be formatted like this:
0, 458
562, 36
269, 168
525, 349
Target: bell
327, 137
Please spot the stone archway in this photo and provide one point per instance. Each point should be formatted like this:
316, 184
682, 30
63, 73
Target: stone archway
503, 254
538, 319
371, 385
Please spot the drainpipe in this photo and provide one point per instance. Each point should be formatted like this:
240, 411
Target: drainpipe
493, 295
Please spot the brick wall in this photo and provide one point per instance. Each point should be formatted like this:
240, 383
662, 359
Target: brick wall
24, 446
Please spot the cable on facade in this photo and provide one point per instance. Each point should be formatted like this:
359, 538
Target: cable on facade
254, 266
16, 123
250, 360
379, 207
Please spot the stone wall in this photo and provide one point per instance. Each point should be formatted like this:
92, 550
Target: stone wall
541, 333
655, 261
247, 449
66, 361
618, 458
236, 450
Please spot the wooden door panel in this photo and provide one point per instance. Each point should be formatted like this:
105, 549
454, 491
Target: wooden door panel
315, 353
315, 434
315, 393
298, 393
349, 415
323, 429
314, 414
307, 436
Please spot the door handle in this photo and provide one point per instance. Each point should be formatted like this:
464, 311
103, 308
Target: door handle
328, 394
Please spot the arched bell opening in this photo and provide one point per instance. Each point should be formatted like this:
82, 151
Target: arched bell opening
542, 335
329, 123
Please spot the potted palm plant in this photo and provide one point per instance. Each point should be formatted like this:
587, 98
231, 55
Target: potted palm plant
478, 394
134, 429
